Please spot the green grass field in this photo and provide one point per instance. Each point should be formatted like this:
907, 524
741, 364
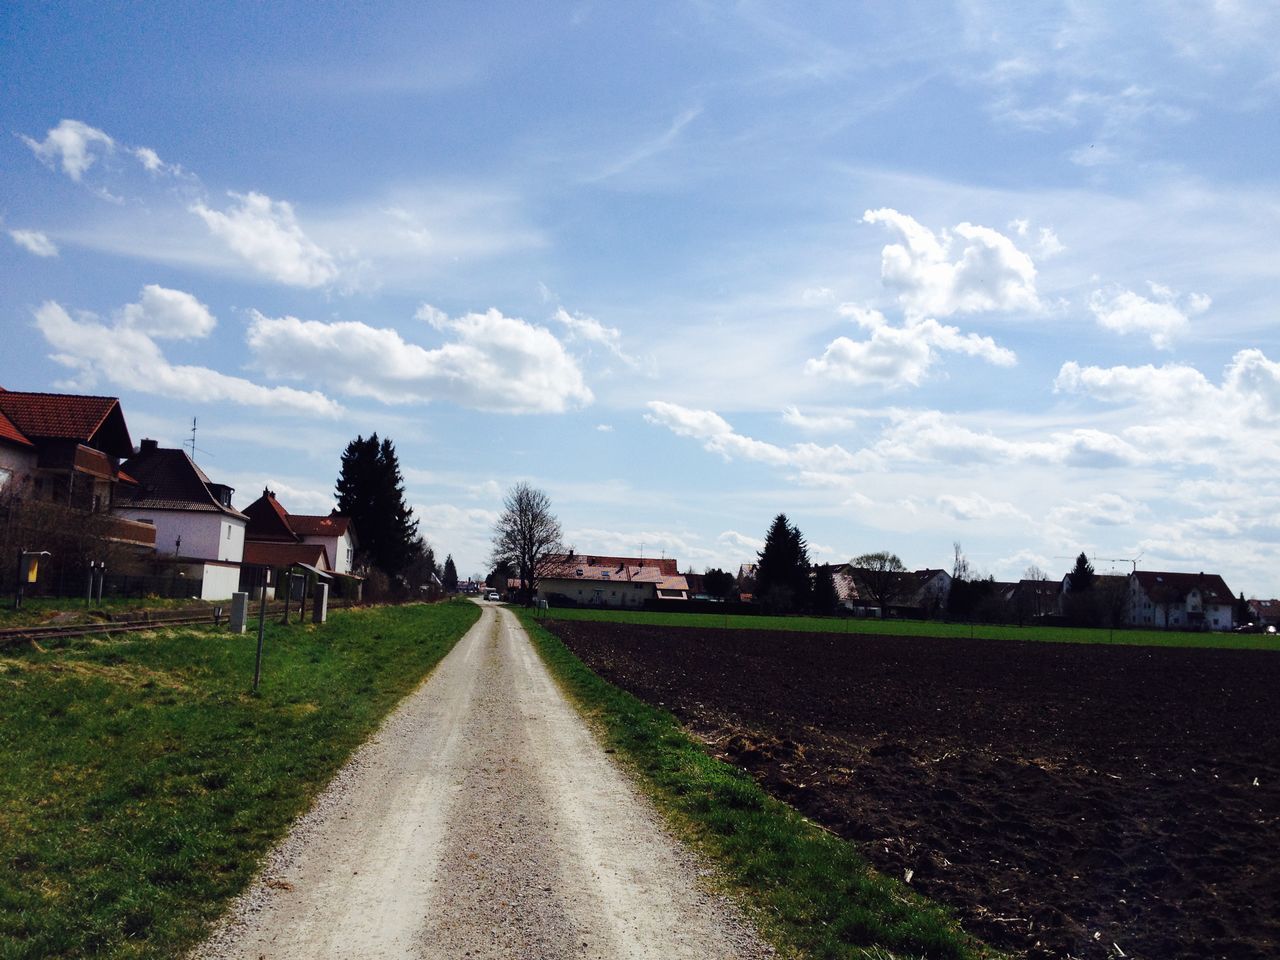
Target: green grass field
810, 892
925, 628
141, 781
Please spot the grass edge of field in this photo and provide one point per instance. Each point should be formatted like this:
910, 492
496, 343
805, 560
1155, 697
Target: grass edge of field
180, 929
809, 892
932, 629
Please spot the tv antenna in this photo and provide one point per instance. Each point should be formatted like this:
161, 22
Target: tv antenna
192, 441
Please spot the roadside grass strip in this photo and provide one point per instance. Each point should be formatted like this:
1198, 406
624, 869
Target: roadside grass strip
809, 891
141, 782
925, 628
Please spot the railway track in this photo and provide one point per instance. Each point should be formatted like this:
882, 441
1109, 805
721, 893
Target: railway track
213, 616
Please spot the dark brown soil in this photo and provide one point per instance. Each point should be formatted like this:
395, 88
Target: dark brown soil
1068, 800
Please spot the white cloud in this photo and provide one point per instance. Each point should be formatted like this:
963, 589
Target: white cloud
898, 356
829, 422
977, 507
591, 330
266, 234
129, 358
33, 241
740, 541
72, 144
967, 270
716, 435
604, 428
1162, 318
493, 362
162, 313
1178, 394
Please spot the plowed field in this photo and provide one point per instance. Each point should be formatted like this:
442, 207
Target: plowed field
1067, 800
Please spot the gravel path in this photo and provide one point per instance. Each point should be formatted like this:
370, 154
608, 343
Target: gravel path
482, 820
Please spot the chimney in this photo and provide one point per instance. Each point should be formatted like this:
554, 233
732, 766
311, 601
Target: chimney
148, 446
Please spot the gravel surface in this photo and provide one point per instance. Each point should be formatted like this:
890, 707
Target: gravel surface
482, 820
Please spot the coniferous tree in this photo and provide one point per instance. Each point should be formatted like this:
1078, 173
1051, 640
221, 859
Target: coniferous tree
1082, 574
370, 491
824, 591
720, 584
450, 575
782, 574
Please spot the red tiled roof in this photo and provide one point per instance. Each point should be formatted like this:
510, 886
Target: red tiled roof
268, 520
566, 565
285, 554
332, 525
65, 416
10, 432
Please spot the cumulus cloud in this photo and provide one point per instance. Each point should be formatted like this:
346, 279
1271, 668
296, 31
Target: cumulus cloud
492, 362
162, 313
896, 356
73, 145
1164, 317
966, 270
1249, 394
33, 241
828, 422
266, 234
128, 357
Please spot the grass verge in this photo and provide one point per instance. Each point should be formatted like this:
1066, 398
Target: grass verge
141, 782
811, 892
927, 628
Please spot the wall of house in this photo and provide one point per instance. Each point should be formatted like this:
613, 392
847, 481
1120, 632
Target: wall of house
205, 536
15, 463
337, 548
606, 593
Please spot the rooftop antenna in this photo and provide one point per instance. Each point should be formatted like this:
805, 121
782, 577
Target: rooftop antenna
192, 441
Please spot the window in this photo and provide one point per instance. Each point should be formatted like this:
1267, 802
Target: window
5, 477
228, 531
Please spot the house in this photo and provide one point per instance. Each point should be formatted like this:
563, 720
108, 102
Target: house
1181, 601
197, 530
593, 580
1265, 613
913, 594
1035, 599
63, 448
275, 538
63, 451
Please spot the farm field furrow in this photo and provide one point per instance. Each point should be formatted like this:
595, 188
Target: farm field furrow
1065, 799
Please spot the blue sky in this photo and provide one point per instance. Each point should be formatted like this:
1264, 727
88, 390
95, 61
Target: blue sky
912, 274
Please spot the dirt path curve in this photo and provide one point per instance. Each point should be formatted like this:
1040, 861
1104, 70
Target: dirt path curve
482, 820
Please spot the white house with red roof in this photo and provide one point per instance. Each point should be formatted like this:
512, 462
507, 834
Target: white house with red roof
595, 580
278, 539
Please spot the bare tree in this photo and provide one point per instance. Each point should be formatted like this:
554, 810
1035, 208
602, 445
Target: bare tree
880, 573
526, 536
1033, 572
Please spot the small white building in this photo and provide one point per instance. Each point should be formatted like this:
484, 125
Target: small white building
592, 580
197, 529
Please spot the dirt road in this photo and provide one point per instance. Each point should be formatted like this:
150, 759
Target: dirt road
482, 820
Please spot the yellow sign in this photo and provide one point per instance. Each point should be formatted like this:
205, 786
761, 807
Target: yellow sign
33, 568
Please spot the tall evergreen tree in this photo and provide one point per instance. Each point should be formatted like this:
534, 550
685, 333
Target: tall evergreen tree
1082, 574
370, 491
782, 573
824, 591
450, 579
